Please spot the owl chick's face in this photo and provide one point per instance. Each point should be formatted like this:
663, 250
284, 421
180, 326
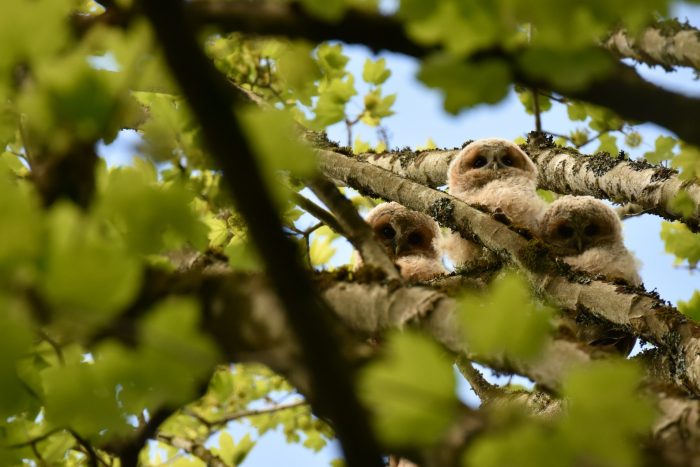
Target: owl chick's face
573, 224
403, 232
485, 160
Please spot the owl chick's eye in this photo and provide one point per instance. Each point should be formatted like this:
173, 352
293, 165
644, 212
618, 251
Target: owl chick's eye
480, 161
591, 230
388, 232
508, 161
414, 238
564, 231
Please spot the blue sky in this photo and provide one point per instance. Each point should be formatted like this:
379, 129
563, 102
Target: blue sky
419, 116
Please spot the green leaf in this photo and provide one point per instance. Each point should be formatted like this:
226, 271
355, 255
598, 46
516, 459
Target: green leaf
688, 161
410, 391
284, 151
314, 441
682, 203
87, 275
332, 60
321, 248
567, 70
416, 9
528, 100
633, 139
663, 149
218, 231
505, 320
525, 446
377, 107
242, 256
17, 335
20, 224
576, 111
375, 72
333, 96
150, 216
76, 397
328, 10
681, 242
242, 449
606, 422
300, 71
608, 143
691, 308
463, 84
461, 27
225, 448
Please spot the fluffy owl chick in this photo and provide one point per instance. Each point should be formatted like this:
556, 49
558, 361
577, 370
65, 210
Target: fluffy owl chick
497, 174
409, 239
587, 235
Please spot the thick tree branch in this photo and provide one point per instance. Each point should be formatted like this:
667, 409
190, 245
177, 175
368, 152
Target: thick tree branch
621, 90
667, 44
357, 231
567, 171
207, 93
642, 314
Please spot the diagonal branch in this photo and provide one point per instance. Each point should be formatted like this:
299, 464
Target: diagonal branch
207, 94
641, 313
667, 43
622, 90
567, 171
358, 232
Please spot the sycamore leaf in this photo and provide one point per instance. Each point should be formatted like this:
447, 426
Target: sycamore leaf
504, 320
375, 72
464, 84
410, 391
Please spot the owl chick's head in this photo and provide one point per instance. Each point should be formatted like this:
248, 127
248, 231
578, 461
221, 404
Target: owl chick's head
573, 224
404, 232
485, 160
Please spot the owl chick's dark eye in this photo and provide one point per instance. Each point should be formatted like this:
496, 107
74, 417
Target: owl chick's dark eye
564, 231
414, 238
387, 232
479, 162
508, 161
591, 230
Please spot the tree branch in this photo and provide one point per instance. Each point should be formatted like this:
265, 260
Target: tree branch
638, 312
207, 93
567, 171
621, 90
667, 43
357, 231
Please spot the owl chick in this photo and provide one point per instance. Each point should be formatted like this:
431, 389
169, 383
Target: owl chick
409, 238
587, 235
497, 174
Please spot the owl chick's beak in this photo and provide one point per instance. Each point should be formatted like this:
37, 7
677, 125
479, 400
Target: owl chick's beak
579, 244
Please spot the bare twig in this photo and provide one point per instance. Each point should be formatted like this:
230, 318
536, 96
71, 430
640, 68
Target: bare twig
357, 231
482, 388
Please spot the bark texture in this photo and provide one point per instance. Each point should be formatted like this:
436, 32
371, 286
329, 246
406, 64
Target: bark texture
667, 44
566, 171
634, 310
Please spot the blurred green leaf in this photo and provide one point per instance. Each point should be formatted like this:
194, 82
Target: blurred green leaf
681, 242
375, 72
691, 308
663, 149
463, 84
569, 70
410, 391
329, 10
87, 275
504, 320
